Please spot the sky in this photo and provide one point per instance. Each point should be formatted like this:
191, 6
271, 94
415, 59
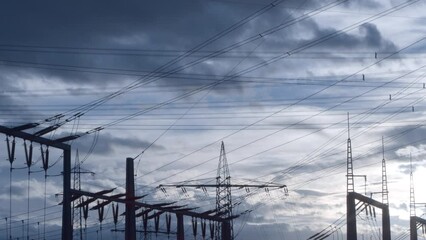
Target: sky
165, 82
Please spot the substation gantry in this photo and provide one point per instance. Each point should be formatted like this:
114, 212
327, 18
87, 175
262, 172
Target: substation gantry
223, 186
352, 196
415, 221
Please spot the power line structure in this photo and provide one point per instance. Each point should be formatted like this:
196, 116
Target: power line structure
351, 196
149, 211
18, 132
85, 108
357, 203
415, 221
224, 203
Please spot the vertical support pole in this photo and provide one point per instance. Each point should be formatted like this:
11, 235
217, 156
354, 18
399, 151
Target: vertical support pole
226, 230
386, 224
66, 208
351, 216
413, 228
180, 229
130, 228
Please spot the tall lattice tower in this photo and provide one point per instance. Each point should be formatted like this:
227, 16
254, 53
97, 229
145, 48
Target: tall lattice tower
412, 199
77, 212
385, 197
350, 200
223, 196
349, 164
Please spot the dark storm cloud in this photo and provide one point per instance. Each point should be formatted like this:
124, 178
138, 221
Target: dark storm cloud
107, 143
160, 25
11, 106
368, 36
153, 25
408, 135
365, 4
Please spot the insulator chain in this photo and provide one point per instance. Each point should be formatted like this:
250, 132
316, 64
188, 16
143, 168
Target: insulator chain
11, 149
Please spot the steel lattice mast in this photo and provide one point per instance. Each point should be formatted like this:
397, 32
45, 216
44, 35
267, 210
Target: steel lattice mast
350, 200
385, 192
77, 213
223, 230
412, 199
223, 196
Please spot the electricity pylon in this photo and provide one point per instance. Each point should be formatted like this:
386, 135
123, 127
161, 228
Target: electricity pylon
223, 186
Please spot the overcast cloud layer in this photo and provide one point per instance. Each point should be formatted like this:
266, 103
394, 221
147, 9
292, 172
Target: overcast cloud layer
167, 81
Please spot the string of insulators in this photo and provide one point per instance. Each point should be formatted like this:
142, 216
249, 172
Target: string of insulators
211, 226
369, 208
115, 214
286, 191
11, 149
100, 212
85, 211
164, 191
185, 192
203, 228
194, 226
45, 157
28, 153
157, 223
145, 222
205, 190
168, 222
365, 208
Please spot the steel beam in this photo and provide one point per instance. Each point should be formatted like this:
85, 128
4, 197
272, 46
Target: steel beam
66, 208
149, 206
30, 137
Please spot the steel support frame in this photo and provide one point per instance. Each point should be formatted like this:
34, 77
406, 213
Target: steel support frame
351, 215
413, 226
66, 207
129, 201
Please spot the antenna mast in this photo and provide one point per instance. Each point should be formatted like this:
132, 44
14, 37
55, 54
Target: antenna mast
223, 194
350, 170
412, 199
385, 197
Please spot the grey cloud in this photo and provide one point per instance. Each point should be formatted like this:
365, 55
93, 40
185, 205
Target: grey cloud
408, 135
162, 25
11, 105
107, 143
406, 169
158, 25
365, 4
312, 193
368, 37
